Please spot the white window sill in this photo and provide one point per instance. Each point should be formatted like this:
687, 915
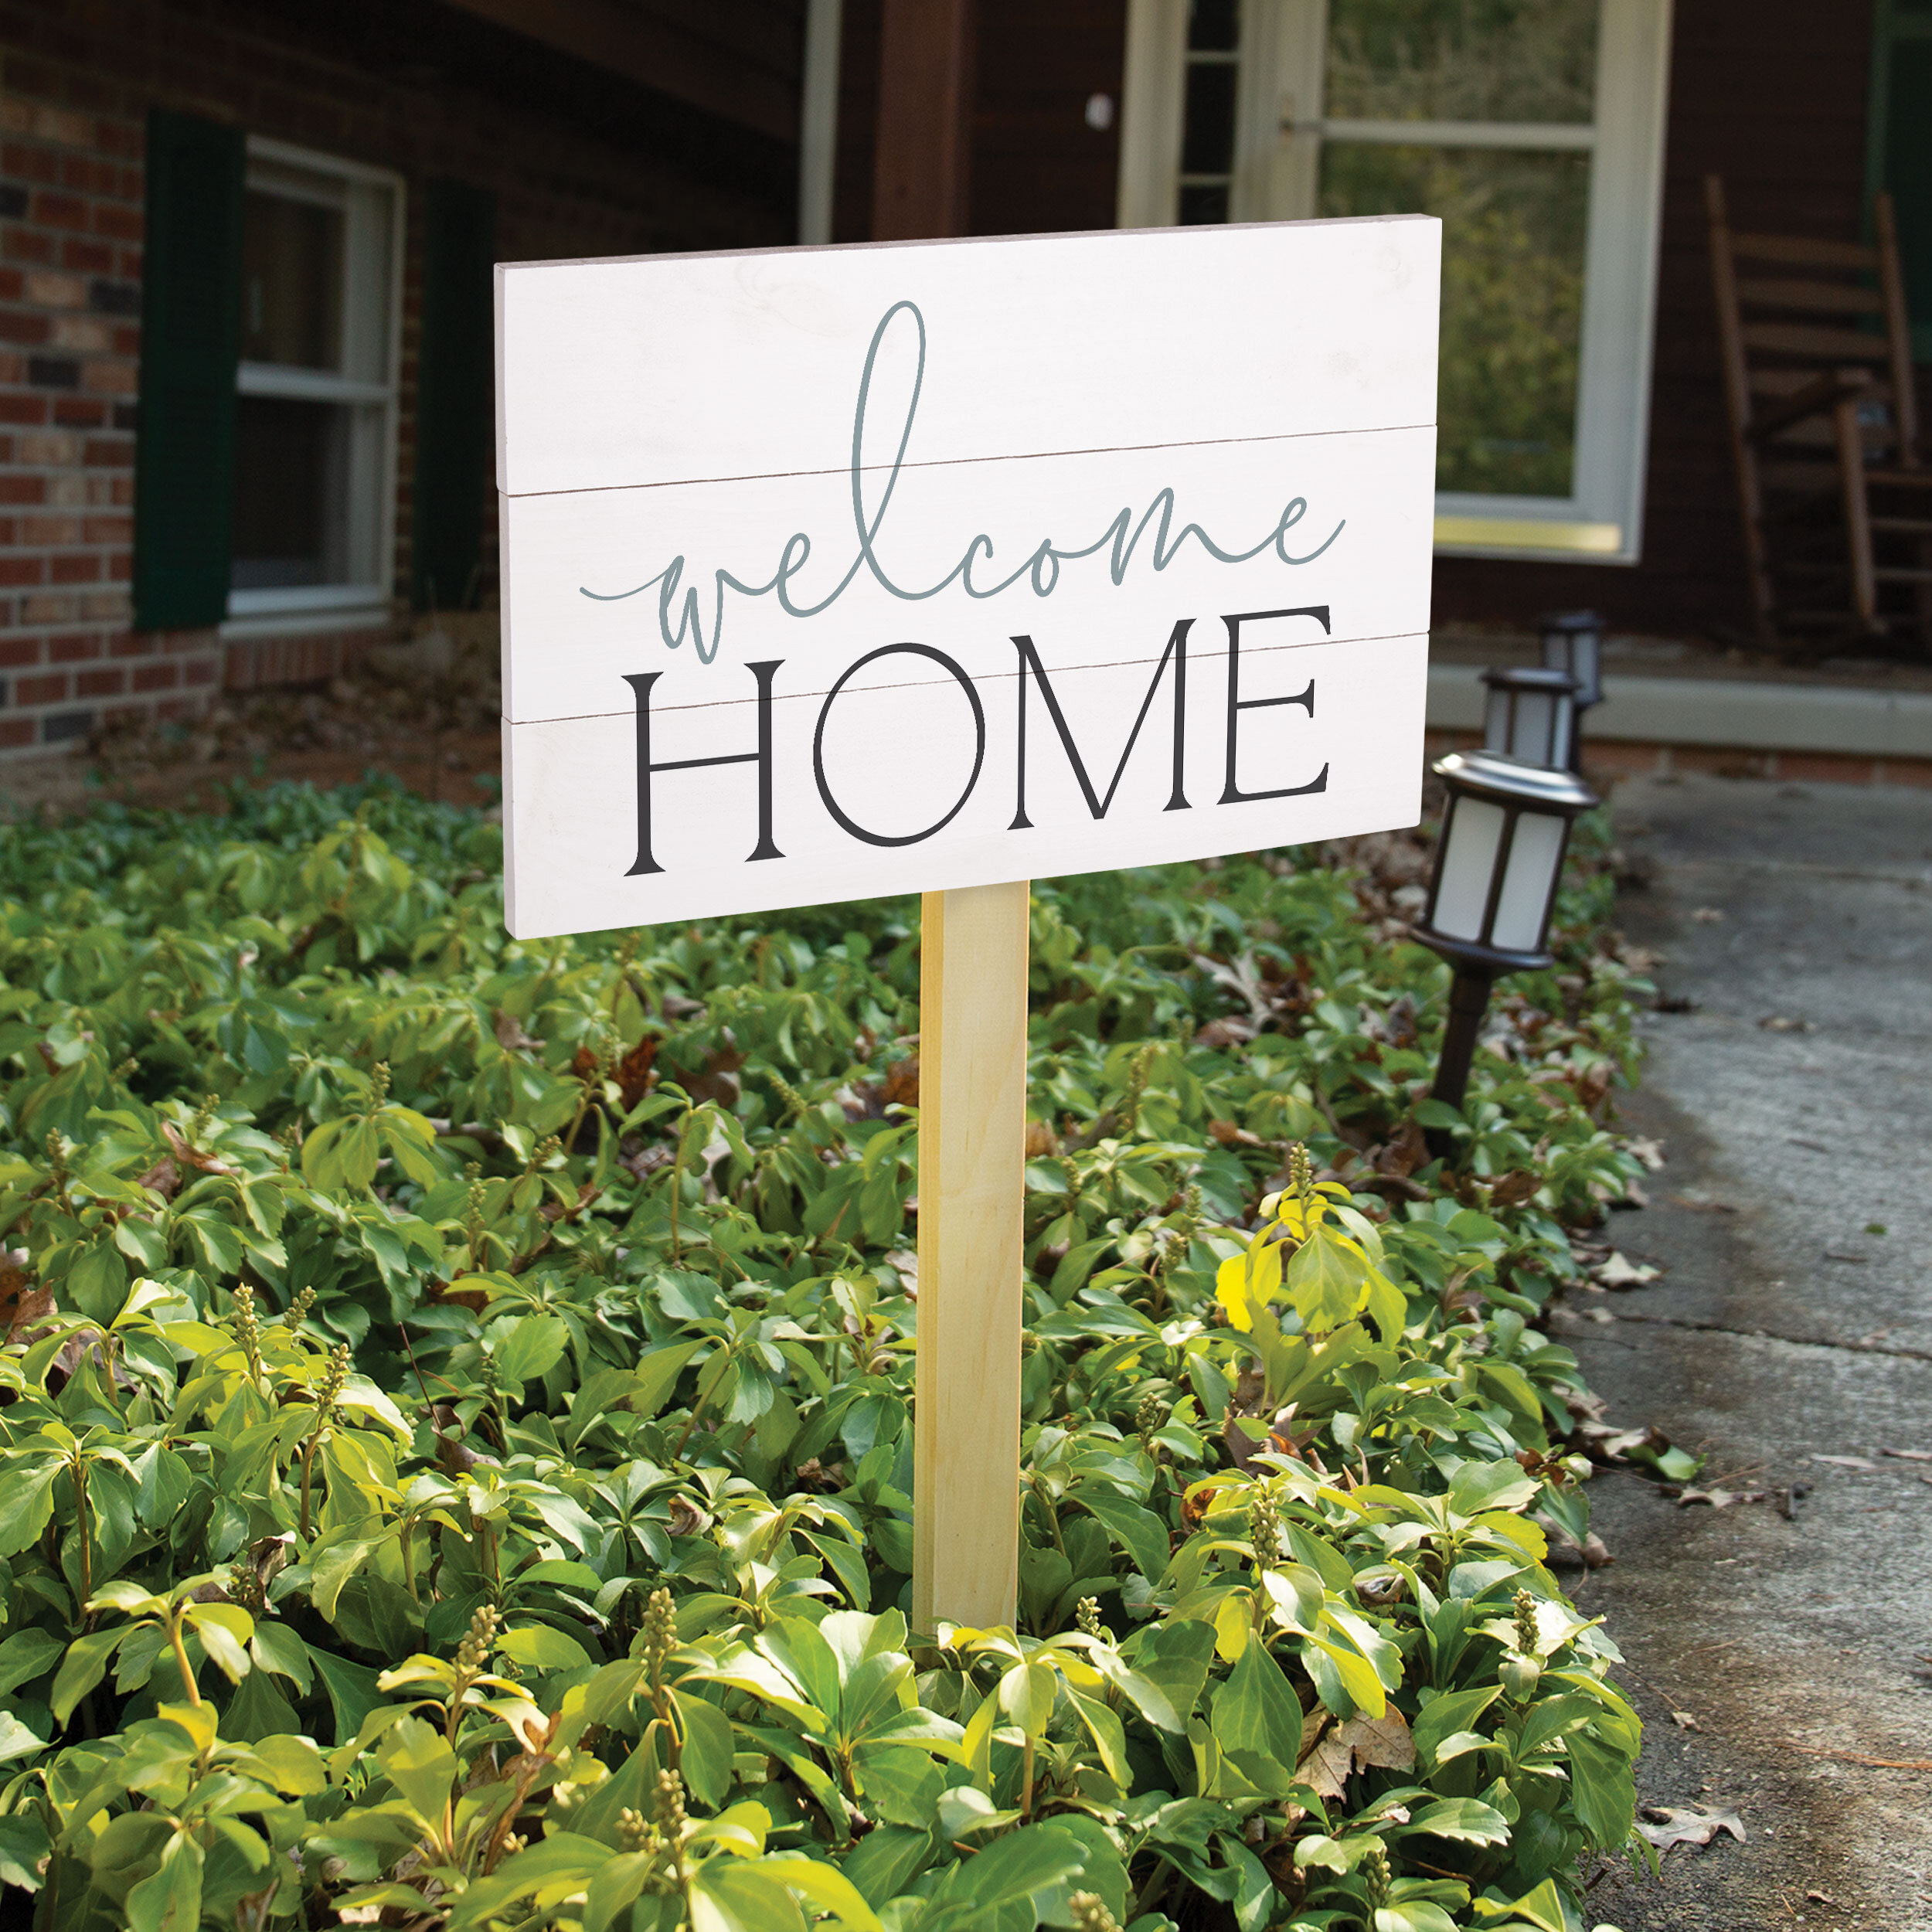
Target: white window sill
295, 622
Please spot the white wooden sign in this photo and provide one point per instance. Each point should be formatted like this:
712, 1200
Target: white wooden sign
833, 572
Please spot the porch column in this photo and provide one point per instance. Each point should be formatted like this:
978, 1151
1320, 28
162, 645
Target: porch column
922, 167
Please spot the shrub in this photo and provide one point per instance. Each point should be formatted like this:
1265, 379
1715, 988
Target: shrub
455, 1461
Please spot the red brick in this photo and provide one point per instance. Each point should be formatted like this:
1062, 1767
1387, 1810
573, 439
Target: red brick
81, 650
88, 176
49, 610
25, 163
1831, 767
162, 676
76, 412
59, 211
198, 671
132, 643
23, 409
101, 454
100, 684
22, 569
12, 284
108, 529
46, 689
1915, 772
16, 731
27, 245
50, 529
17, 326
109, 379
15, 652
120, 569
119, 224
86, 258
127, 339
55, 291
23, 489
81, 569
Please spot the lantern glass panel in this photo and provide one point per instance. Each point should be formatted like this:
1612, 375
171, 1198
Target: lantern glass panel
1534, 853
1469, 843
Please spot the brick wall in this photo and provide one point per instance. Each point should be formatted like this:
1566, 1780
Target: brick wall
582, 163
70, 222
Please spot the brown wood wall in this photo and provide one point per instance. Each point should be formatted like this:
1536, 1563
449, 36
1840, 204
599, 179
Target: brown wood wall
1769, 93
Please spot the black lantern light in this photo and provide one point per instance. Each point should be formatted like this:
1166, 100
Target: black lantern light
1498, 862
1573, 641
1531, 715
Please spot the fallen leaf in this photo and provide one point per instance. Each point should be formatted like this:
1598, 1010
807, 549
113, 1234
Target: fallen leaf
1686, 1824
510, 1036
1356, 1746
1707, 915
1231, 1133
1850, 1261
193, 1156
1514, 1188
902, 1084
1702, 1207
1620, 1272
1685, 1722
1778, 1023
1847, 1462
633, 1072
1718, 1498
1040, 1140
1649, 1151
1909, 1455
1815, 1897
164, 1179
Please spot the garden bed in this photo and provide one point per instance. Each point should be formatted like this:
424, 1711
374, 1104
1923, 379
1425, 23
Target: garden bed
380, 1288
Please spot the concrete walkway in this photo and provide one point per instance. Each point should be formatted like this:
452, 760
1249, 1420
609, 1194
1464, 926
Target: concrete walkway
1790, 1340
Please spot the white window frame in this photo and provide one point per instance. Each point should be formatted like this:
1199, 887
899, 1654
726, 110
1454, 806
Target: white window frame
1279, 130
367, 600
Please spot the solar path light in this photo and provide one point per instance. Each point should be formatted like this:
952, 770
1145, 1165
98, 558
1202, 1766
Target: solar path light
1531, 715
1572, 641
1498, 863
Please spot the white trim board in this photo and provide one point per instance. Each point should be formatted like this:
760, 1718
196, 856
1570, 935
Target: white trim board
1730, 712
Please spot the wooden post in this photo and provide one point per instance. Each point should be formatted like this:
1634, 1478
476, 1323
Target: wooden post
921, 163
972, 1158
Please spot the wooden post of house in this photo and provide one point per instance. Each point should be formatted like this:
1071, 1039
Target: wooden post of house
972, 999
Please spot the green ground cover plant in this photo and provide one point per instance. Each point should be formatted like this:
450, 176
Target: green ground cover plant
455, 1444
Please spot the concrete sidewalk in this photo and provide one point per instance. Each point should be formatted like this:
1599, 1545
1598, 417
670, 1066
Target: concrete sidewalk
1790, 1340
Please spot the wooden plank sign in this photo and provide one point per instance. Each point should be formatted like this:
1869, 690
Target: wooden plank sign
829, 573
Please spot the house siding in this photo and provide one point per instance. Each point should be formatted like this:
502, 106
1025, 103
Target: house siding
413, 86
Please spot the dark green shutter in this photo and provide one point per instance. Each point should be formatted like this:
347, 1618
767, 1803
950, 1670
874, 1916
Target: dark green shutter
1900, 151
190, 338
455, 392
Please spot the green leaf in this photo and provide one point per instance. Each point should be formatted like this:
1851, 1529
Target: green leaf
1137, 1531
658, 1373
1256, 1709
708, 1748
170, 1900
528, 1346
1443, 1717
25, 1655
418, 1761
1466, 1820
538, 1647
84, 1666
1603, 1793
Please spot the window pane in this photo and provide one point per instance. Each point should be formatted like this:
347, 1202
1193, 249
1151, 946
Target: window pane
1207, 146
292, 462
291, 282
1462, 60
1213, 26
1512, 288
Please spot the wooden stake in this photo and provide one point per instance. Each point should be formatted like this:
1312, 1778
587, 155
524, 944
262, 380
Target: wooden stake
972, 1157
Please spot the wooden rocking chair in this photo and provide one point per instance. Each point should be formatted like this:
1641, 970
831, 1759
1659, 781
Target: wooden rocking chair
1835, 490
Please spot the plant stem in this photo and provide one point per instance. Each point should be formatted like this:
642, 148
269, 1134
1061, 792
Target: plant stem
78, 1471
180, 1659
703, 1395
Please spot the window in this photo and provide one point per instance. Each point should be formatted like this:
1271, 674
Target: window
1534, 128
313, 529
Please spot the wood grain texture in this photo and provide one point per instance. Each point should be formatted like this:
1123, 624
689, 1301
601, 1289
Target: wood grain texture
921, 163
973, 962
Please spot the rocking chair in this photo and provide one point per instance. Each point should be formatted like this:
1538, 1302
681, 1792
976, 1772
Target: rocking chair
1835, 490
